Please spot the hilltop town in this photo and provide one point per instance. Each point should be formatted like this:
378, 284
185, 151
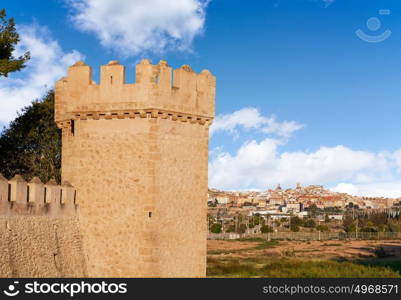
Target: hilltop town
295, 199
303, 207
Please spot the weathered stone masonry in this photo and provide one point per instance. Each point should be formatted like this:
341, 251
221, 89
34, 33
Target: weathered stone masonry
39, 231
137, 155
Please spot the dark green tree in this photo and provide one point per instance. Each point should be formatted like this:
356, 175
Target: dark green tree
313, 210
322, 228
241, 228
266, 229
349, 224
369, 229
294, 228
296, 221
215, 228
254, 221
310, 223
378, 218
31, 144
9, 38
231, 228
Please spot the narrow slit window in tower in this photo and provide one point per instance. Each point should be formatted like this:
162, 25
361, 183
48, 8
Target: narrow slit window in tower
72, 127
9, 192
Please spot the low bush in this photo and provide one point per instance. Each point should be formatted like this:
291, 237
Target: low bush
295, 268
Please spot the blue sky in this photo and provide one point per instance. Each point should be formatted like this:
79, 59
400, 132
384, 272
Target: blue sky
300, 97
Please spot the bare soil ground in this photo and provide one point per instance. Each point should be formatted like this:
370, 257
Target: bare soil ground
347, 250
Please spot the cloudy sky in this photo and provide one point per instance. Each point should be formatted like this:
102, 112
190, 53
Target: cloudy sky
307, 90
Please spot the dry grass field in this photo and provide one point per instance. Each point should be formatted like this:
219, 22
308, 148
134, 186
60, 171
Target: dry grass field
261, 258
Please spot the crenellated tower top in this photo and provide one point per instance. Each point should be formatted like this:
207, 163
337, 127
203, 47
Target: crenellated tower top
159, 91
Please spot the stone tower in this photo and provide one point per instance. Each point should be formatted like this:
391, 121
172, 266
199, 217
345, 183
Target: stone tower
137, 155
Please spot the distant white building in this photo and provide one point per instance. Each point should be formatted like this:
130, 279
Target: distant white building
336, 217
302, 214
222, 199
294, 207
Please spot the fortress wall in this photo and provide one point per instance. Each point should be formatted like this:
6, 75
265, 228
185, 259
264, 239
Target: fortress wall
188, 94
39, 246
148, 217
39, 230
182, 219
138, 156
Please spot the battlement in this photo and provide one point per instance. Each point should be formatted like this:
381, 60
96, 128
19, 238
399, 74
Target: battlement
18, 197
159, 91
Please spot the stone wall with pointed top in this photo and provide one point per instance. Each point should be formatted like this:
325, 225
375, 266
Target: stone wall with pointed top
159, 91
137, 154
39, 230
34, 198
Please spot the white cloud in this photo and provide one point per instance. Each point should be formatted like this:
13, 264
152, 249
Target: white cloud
130, 27
397, 159
251, 118
48, 63
347, 188
327, 3
324, 3
261, 164
382, 189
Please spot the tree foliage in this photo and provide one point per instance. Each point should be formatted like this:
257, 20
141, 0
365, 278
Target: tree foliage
322, 228
31, 144
241, 228
313, 210
378, 218
310, 223
230, 228
294, 228
348, 223
254, 221
9, 38
296, 221
215, 228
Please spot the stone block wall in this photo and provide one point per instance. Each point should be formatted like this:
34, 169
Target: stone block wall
138, 156
39, 230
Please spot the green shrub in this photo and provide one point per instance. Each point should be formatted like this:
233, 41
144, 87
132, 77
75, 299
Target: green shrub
296, 221
266, 229
322, 228
241, 228
294, 228
215, 228
295, 268
381, 253
310, 223
230, 228
369, 229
